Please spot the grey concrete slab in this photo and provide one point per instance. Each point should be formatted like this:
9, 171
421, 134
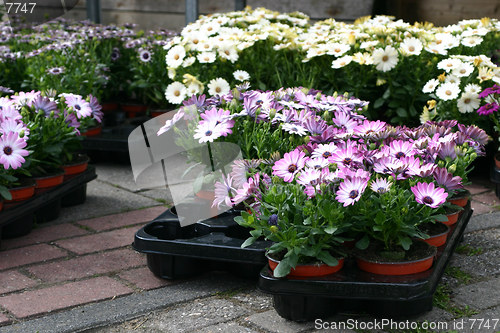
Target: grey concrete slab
192, 316
483, 239
117, 174
254, 300
484, 265
483, 221
106, 316
231, 327
481, 295
272, 322
104, 199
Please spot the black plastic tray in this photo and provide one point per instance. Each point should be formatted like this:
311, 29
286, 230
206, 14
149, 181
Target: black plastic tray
495, 178
17, 220
353, 290
213, 244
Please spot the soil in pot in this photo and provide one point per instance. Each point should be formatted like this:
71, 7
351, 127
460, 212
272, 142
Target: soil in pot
376, 259
452, 215
438, 233
48, 179
312, 269
460, 198
78, 165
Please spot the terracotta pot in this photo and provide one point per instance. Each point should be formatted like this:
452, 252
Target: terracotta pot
309, 270
109, 107
134, 110
397, 267
206, 195
93, 131
452, 218
76, 167
1, 204
49, 181
156, 113
439, 238
461, 199
22, 192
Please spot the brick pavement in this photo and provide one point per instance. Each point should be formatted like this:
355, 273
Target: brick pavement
58, 267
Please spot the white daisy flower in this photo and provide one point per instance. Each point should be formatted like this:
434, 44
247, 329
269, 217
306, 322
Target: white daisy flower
411, 46
241, 75
436, 48
228, 51
472, 41
430, 86
188, 61
385, 59
175, 92
448, 91
295, 129
194, 89
175, 56
473, 88
206, 57
338, 49
342, 61
449, 64
452, 78
468, 102
465, 69
218, 86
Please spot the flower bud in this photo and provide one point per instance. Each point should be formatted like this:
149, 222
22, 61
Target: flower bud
272, 113
273, 220
452, 168
21, 134
307, 139
273, 229
473, 156
327, 116
441, 164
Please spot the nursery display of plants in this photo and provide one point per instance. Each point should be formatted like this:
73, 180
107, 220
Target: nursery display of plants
328, 159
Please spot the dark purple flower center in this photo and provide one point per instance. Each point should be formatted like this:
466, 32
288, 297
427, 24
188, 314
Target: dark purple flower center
292, 168
259, 102
347, 161
400, 154
326, 154
78, 107
145, 56
208, 133
353, 194
7, 150
381, 189
428, 200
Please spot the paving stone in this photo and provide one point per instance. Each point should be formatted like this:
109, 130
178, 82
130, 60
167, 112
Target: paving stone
104, 199
487, 198
120, 175
143, 278
101, 241
476, 188
231, 327
484, 239
485, 221
45, 300
4, 319
483, 322
28, 255
479, 295
255, 300
484, 265
190, 317
123, 219
44, 234
271, 321
480, 208
13, 280
89, 265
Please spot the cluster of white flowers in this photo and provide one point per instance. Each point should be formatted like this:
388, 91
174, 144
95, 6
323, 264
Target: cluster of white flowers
380, 42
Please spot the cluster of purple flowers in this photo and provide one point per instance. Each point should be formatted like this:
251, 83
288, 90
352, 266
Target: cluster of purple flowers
355, 154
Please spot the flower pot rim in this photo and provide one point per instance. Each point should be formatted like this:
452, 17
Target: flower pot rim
317, 264
25, 183
59, 172
440, 225
404, 262
80, 159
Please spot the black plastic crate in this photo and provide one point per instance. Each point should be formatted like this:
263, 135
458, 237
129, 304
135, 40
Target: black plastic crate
213, 244
17, 220
495, 178
353, 290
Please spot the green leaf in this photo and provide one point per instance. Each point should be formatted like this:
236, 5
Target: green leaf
256, 233
402, 112
249, 241
405, 243
198, 183
441, 218
331, 229
283, 269
378, 103
4, 192
363, 243
327, 258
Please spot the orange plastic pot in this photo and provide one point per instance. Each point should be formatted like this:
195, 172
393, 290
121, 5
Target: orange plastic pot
49, 181
76, 168
93, 131
134, 110
206, 195
452, 218
439, 239
395, 268
22, 192
309, 270
1, 205
108, 107
460, 200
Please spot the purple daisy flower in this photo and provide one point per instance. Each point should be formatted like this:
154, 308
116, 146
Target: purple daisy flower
428, 194
295, 129
289, 165
447, 150
310, 176
223, 192
489, 91
240, 169
316, 126
11, 150
488, 109
475, 133
170, 122
209, 131
97, 114
447, 180
55, 70
25, 98
249, 189
380, 185
344, 120
317, 163
401, 148
44, 104
347, 156
350, 191
79, 105
145, 55
368, 128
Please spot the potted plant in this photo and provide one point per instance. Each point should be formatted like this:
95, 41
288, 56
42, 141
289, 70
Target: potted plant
490, 104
